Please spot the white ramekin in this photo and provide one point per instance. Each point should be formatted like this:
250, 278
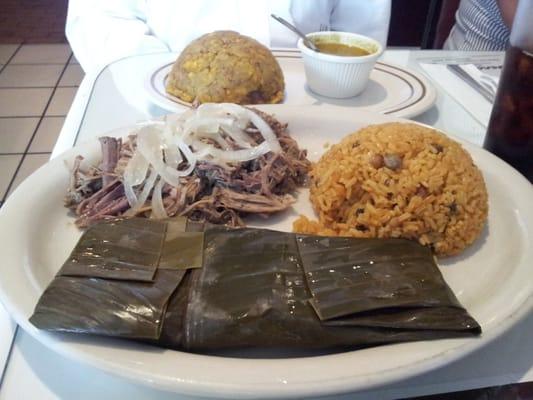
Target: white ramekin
339, 76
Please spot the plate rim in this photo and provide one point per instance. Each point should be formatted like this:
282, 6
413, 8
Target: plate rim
152, 82
338, 385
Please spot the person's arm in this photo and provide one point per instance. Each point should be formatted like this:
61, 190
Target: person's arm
102, 31
507, 10
369, 18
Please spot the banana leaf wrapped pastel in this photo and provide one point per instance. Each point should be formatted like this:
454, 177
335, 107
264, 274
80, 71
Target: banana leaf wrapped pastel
173, 329
126, 249
250, 292
253, 288
107, 307
105, 289
347, 277
261, 288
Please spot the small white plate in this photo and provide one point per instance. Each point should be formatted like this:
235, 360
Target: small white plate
392, 90
492, 279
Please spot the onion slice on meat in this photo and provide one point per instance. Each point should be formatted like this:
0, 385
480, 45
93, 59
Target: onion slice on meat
239, 137
180, 141
211, 122
134, 174
266, 131
218, 155
189, 156
149, 145
158, 208
171, 153
143, 196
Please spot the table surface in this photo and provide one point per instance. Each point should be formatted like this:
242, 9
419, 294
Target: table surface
115, 98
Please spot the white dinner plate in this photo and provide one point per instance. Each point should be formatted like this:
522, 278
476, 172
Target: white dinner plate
392, 89
492, 279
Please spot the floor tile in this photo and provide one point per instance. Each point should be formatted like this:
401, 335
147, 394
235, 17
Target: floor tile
61, 101
6, 51
42, 54
47, 134
15, 134
8, 166
23, 102
30, 75
31, 163
72, 76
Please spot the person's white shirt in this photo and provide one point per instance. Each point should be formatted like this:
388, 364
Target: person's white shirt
102, 31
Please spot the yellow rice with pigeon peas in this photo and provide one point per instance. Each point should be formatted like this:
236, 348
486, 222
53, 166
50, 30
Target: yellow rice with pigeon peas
398, 180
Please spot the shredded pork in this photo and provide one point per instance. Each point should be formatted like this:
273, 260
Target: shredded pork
211, 193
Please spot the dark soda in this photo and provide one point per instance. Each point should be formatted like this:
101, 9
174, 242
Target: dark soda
510, 130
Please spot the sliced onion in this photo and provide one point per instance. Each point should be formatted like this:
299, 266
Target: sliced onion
184, 116
158, 208
216, 137
135, 171
189, 156
266, 131
180, 139
172, 154
149, 145
130, 194
228, 110
231, 119
196, 125
234, 155
134, 174
239, 137
143, 196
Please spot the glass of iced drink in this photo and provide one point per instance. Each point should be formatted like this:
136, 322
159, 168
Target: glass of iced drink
510, 131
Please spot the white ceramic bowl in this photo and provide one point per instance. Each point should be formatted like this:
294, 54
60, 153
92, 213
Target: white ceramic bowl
339, 76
